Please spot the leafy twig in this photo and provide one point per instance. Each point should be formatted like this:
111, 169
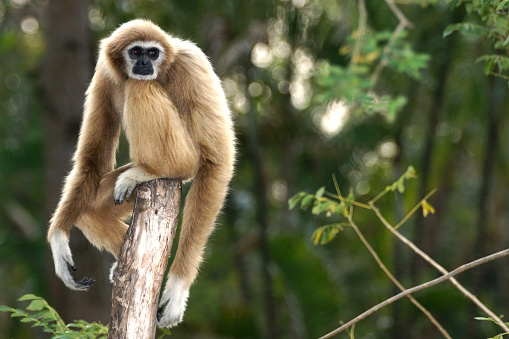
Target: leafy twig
403, 24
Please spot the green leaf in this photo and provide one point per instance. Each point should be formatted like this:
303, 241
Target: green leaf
7, 309
325, 234
306, 201
29, 297
36, 305
320, 192
466, 28
503, 5
427, 208
26, 320
502, 62
486, 3
293, 201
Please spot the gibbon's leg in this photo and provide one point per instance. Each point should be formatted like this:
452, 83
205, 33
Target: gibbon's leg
102, 225
202, 206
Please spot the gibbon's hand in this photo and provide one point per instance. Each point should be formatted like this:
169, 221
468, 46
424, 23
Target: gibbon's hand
127, 182
62, 258
123, 188
173, 303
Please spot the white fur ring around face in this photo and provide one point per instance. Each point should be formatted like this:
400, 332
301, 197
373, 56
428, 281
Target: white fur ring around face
173, 302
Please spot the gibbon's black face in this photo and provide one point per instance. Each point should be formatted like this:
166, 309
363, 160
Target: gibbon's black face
143, 59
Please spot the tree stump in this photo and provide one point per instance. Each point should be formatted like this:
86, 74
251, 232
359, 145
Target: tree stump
143, 259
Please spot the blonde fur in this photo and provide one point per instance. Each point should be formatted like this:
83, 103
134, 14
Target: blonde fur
178, 125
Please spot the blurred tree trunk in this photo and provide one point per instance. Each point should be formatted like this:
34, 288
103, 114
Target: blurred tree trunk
66, 72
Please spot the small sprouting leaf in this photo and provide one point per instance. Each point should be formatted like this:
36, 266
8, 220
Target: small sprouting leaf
401, 186
165, 333
427, 208
320, 206
320, 192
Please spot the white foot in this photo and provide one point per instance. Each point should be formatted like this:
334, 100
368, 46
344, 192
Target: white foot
113, 270
173, 302
59, 243
127, 181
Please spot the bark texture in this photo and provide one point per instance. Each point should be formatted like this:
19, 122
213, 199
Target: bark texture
143, 259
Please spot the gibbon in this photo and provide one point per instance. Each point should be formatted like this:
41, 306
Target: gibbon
165, 94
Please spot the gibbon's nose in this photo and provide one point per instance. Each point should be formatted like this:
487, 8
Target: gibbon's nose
144, 59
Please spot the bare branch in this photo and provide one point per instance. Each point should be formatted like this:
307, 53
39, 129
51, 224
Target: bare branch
439, 268
394, 280
421, 287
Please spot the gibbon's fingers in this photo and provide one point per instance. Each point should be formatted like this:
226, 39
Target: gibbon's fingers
113, 271
173, 302
127, 181
62, 258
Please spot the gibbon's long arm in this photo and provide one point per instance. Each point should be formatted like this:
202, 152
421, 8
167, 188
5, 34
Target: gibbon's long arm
94, 156
208, 119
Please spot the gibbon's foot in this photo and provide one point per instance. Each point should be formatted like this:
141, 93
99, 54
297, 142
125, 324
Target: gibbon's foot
113, 270
62, 258
173, 302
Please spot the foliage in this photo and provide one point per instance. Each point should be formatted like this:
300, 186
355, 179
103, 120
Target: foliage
494, 26
336, 204
41, 314
370, 51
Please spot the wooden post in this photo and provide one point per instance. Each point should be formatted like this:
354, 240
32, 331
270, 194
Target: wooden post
143, 259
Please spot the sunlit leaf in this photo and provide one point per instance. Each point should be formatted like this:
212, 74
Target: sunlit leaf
325, 234
427, 208
320, 192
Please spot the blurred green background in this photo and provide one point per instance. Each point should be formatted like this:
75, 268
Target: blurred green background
317, 87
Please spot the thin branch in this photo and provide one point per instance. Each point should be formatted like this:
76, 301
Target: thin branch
439, 268
394, 280
415, 209
348, 201
403, 23
360, 31
421, 287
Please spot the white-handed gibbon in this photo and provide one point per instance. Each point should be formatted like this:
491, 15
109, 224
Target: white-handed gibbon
165, 94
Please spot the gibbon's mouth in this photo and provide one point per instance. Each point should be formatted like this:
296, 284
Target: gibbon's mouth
143, 70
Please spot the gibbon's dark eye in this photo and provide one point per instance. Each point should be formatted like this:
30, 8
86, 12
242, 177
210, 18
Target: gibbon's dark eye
135, 51
153, 53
